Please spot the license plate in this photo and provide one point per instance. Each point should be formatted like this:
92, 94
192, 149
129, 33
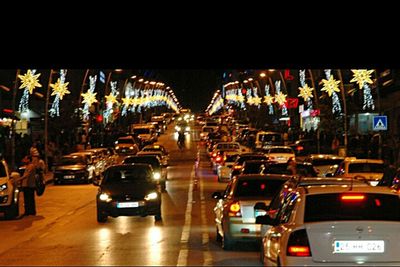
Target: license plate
128, 205
69, 176
359, 246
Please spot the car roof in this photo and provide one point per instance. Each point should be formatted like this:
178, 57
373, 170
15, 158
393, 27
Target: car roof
129, 166
264, 176
355, 160
309, 181
357, 188
325, 156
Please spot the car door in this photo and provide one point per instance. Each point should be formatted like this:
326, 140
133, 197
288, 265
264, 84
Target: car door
219, 207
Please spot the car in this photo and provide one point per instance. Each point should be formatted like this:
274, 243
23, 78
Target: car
303, 169
158, 148
334, 225
254, 166
126, 145
238, 165
128, 190
182, 126
74, 168
324, 163
234, 211
280, 154
159, 173
11, 196
265, 139
224, 168
304, 147
205, 130
370, 169
218, 149
145, 133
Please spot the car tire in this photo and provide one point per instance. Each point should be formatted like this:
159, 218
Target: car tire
158, 217
101, 217
14, 210
227, 243
218, 236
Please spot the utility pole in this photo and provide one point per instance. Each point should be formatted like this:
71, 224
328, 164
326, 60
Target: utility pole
14, 98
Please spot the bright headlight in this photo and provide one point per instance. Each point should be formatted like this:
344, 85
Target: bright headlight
117, 147
187, 129
3, 187
131, 147
157, 175
105, 197
178, 128
374, 183
151, 196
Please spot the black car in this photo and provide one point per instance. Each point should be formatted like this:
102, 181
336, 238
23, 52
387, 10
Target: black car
128, 190
238, 165
74, 168
254, 166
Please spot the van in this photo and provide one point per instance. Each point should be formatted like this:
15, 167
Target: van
266, 139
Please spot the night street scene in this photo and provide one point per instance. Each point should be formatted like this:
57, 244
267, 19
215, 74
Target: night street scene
200, 167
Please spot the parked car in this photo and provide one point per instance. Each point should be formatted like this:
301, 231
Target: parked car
126, 145
128, 190
334, 225
11, 196
280, 154
224, 168
77, 167
324, 163
234, 211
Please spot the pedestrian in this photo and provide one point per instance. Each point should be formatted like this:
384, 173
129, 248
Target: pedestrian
28, 187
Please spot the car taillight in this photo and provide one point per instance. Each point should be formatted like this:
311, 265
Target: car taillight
214, 155
299, 148
234, 210
237, 167
352, 197
298, 245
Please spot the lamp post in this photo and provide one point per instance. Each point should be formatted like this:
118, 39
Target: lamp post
14, 98
46, 117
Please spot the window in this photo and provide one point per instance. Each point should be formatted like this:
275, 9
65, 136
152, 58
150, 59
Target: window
281, 150
2, 170
257, 188
323, 162
127, 175
287, 207
365, 167
327, 207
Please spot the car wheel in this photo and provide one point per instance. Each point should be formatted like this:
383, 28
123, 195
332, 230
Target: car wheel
15, 209
218, 236
158, 217
101, 217
227, 243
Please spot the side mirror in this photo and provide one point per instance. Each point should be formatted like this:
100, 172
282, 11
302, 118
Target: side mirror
265, 219
217, 195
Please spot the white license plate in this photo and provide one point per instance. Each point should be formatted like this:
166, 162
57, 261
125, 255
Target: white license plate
69, 176
359, 246
128, 205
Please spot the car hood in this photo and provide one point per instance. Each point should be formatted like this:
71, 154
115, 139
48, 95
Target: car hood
3, 180
135, 189
75, 167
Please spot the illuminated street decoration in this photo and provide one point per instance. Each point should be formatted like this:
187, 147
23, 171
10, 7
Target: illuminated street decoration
363, 79
126, 102
89, 97
305, 90
331, 87
269, 100
60, 88
256, 98
29, 81
111, 99
280, 98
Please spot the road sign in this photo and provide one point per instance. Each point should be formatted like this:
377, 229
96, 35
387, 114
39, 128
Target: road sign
379, 123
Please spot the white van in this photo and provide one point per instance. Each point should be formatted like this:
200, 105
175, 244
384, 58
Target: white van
266, 139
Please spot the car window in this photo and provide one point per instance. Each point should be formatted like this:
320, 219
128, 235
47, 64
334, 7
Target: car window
255, 168
322, 162
287, 207
155, 164
141, 131
365, 167
2, 170
127, 175
257, 187
356, 206
281, 150
227, 190
277, 169
125, 141
72, 160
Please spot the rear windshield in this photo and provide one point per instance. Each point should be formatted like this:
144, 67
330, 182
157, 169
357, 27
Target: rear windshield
127, 175
227, 146
281, 150
141, 131
302, 169
72, 161
243, 159
212, 124
258, 188
253, 168
208, 130
125, 141
231, 158
149, 160
328, 207
365, 167
322, 162
270, 138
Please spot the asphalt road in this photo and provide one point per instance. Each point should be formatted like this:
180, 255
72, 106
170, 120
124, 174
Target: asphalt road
65, 230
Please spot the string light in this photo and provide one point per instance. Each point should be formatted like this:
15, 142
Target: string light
89, 97
331, 87
363, 79
29, 81
60, 88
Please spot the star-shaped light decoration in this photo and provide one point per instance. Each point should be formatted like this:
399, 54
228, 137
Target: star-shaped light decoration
29, 81
60, 88
89, 98
306, 92
362, 77
257, 100
126, 101
240, 98
280, 98
268, 99
250, 100
330, 85
111, 99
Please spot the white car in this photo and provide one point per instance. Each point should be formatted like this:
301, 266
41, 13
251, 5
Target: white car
224, 169
279, 154
324, 163
334, 225
11, 197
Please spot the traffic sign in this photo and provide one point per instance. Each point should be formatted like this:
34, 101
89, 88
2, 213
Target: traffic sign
379, 123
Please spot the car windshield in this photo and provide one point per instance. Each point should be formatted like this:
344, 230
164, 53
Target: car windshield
365, 167
141, 131
281, 150
269, 138
125, 141
227, 146
127, 175
253, 168
334, 206
2, 171
323, 162
71, 161
257, 188
149, 160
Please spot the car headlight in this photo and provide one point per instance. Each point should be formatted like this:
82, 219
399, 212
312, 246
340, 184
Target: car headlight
374, 183
117, 147
151, 196
3, 187
131, 147
157, 176
187, 129
105, 197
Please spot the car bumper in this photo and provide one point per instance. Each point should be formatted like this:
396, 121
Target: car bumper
242, 231
145, 208
70, 177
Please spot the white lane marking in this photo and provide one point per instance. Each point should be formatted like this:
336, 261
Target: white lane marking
183, 253
208, 260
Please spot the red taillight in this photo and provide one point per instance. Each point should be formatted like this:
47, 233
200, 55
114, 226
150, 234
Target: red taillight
214, 155
237, 167
298, 245
352, 197
299, 148
218, 159
234, 209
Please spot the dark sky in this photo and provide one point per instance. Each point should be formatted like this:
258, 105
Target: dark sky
193, 88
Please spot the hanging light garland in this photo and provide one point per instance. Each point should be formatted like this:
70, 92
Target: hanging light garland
305, 90
60, 88
280, 98
111, 99
89, 97
363, 79
29, 81
269, 100
331, 87
256, 98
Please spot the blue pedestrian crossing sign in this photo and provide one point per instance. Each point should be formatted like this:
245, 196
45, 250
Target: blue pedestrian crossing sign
380, 123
